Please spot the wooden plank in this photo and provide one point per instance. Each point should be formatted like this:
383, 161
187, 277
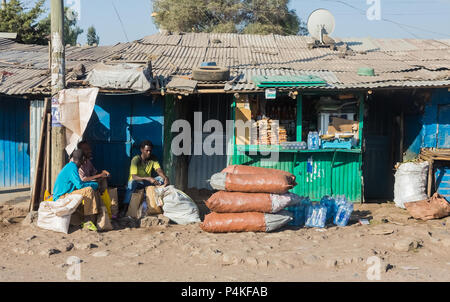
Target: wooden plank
430, 177
402, 123
42, 187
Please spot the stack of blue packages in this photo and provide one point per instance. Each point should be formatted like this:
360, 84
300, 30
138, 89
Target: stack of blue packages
316, 215
344, 211
335, 210
298, 212
331, 206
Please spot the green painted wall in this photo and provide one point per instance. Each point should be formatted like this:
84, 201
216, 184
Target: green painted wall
341, 177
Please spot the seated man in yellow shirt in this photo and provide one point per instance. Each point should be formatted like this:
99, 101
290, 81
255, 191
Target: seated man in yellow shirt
140, 172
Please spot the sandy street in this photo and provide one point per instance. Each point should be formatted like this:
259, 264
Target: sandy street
395, 245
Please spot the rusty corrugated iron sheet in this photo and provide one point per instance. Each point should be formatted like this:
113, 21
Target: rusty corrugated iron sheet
397, 62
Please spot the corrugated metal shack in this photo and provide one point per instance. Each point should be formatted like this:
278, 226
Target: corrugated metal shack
395, 101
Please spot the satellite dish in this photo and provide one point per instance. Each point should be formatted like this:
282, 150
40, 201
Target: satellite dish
320, 23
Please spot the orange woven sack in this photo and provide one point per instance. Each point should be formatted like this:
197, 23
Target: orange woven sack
253, 183
234, 222
237, 202
242, 169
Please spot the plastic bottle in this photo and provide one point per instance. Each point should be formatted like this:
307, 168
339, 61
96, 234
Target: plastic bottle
309, 165
316, 216
330, 204
343, 213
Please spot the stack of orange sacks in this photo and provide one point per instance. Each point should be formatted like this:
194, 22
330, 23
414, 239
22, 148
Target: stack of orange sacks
250, 199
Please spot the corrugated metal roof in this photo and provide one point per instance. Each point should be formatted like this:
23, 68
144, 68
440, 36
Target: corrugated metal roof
399, 62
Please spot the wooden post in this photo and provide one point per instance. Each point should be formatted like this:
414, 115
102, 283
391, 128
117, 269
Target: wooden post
48, 182
169, 118
402, 135
430, 176
361, 144
58, 83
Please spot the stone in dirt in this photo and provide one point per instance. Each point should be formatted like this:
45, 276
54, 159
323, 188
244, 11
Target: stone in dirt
49, 252
31, 238
85, 246
101, 254
67, 246
407, 244
389, 267
381, 231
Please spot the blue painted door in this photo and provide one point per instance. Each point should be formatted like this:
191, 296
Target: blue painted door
14, 143
116, 128
443, 134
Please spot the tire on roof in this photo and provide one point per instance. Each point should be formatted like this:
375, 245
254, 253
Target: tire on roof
211, 73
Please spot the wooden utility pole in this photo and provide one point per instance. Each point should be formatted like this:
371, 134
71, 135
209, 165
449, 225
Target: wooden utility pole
58, 83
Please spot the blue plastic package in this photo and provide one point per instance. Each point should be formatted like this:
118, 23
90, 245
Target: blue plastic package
316, 216
313, 140
330, 203
344, 212
299, 212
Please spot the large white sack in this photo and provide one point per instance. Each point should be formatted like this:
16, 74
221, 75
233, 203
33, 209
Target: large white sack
410, 183
178, 206
55, 215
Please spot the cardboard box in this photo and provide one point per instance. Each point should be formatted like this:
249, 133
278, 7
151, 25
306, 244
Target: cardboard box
153, 202
340, 125
135, 202
244, 114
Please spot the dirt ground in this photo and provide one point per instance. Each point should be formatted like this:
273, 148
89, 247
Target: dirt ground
404, 248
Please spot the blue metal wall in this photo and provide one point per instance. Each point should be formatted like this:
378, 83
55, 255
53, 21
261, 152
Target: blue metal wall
434, 125
14, 143
436, 121
116, 128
